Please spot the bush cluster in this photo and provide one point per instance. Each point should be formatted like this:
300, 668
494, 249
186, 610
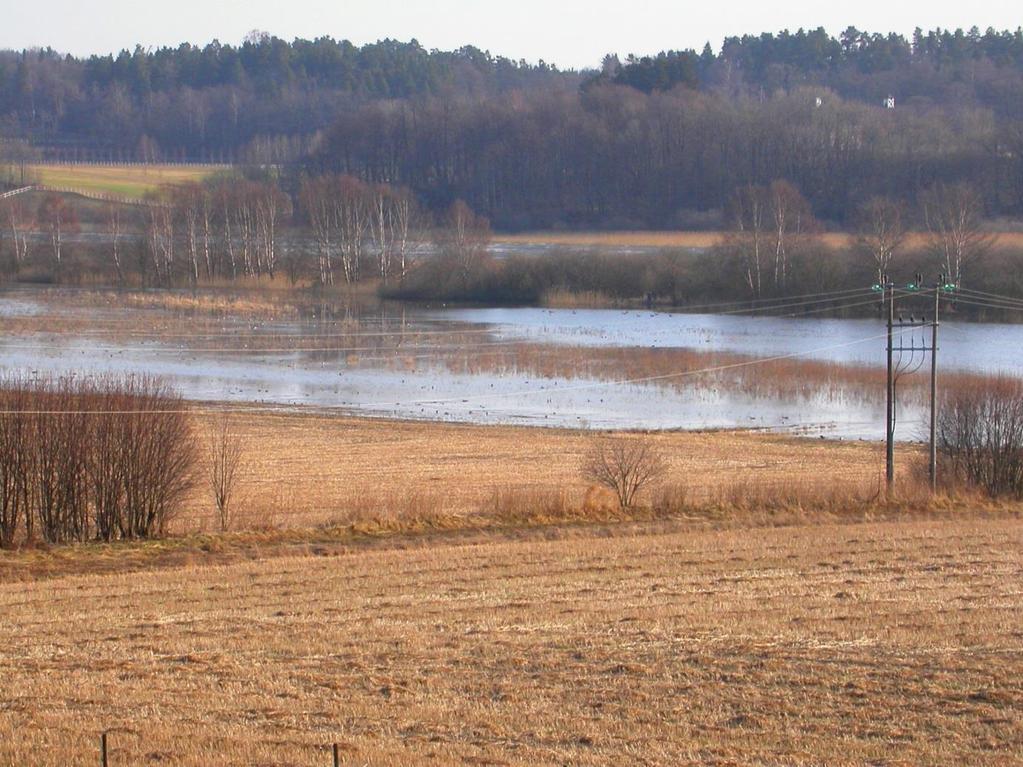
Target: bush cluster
98, 459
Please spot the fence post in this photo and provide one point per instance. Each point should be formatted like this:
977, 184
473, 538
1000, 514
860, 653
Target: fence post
103, 750
337, 757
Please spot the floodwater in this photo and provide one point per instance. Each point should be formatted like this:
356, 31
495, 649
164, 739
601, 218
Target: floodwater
421, 363
963, 346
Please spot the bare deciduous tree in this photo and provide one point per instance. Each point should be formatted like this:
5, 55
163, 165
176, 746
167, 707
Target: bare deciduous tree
270, 205
224, 453
791, 218
953, 215
315, 200
623, 465
464, 239
750, 215
57, 218
16, 219
406, 230
115, 231
101, 458
187, 201
880, 221
351, 222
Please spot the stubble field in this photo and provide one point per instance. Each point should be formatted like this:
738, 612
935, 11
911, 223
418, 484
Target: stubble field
308, 469
887, 644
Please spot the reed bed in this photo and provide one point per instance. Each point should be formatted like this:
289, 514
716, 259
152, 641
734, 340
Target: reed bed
695, 239
687, 369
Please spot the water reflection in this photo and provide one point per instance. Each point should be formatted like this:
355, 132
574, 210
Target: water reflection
471, 365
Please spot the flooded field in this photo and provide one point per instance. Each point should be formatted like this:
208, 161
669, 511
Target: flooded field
575, 368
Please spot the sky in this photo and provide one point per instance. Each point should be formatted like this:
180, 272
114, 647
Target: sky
569, 33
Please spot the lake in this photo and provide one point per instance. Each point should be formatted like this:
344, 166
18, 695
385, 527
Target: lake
465, 365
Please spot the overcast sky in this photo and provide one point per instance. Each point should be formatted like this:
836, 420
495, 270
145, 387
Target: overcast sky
570, 33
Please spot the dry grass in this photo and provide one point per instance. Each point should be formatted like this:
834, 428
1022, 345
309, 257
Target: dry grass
894, 644
680, 239
246, 305
124, 180
586, 299
649, 239
307, 469
793, 379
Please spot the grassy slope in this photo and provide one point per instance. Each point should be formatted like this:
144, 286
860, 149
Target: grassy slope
123, 180
893, 643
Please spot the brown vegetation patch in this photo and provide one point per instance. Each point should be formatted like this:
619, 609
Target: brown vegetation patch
875, 643
691, 239
304, 469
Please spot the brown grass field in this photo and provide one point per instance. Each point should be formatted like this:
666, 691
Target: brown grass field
897, 643
308, 469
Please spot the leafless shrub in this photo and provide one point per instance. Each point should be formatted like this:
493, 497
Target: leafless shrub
107, 458
159, 457
14, 470
980, 436
62, 437
624, 466
224, 451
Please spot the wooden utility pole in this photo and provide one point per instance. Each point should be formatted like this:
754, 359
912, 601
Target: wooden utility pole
934, 389
890, 430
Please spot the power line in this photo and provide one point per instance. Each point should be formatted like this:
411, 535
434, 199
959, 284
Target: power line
776, 307
427, 333
781, 302
831, 308
835, 293
352, 350
997, 296
984, 304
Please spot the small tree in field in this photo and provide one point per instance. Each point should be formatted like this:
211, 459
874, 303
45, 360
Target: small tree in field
624, 466
224, 454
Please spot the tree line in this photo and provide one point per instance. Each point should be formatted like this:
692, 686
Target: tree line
329, 230
338, 231
655, 141
614, 157
262, 100
938, 67
773, 246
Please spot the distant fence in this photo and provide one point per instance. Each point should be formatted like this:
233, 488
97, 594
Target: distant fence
138, 164
87, 193
14, 192
94, 195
